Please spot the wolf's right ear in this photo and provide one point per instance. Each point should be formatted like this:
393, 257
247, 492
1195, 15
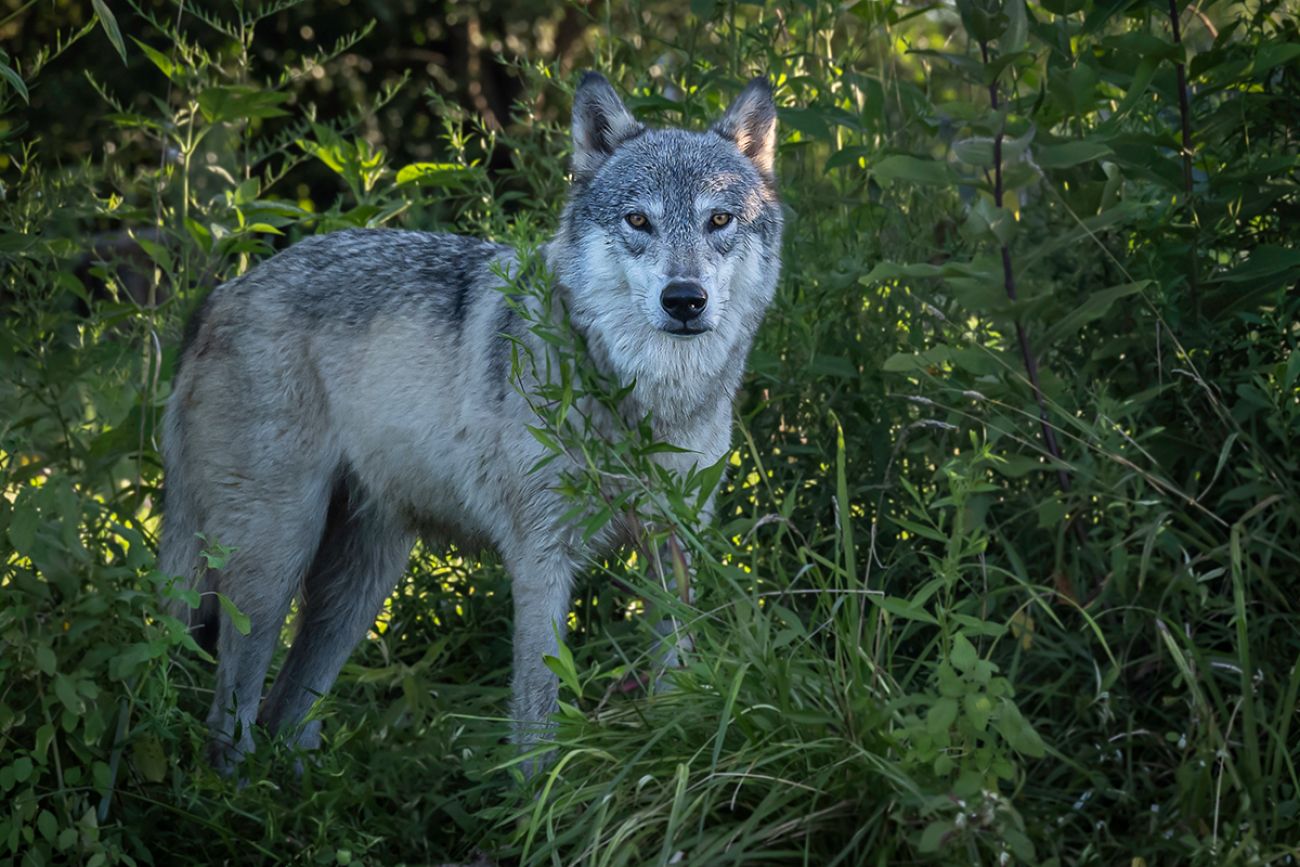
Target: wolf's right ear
600, 124
750, 122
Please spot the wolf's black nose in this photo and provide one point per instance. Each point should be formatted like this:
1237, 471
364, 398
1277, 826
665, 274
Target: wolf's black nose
683, 300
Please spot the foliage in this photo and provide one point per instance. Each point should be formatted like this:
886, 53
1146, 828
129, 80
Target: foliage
1002, 571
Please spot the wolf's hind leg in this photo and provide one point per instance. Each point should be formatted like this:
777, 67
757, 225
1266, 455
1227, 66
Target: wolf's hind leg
360, 559
273, 538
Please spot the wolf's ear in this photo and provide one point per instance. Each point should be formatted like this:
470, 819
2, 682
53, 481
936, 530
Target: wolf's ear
750, 121
600, 124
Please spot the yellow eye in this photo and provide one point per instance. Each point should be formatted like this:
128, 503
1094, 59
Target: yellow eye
720, 220
637, 221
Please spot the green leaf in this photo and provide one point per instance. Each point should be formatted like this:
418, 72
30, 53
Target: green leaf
214, 554
1018, 466
979, 709
155, 251
66, 690
1093, 307
900, 270
903, 608
708, 478
47, 825
1273, 54
1013, 39
964, 655
247, 191
950, 683
901, 167
237, 618
933, 836
977, 360
984, 20
1083, 231
44, 737
909, 362
23, 525
834, 366
200, 233
919, 529
240, 102
106, 18
45, 660
943, 713
563, 667
974, 151
987, 222
434, 174
1071, 153
1146, 70
1140, 43
149, 758
725, 719
160, 60
544, 437
1017, 731
1292, 371
810, 122
961, 62
1081, 86
15, 81
848, 157
1050, 513
1266, 260
1064, 7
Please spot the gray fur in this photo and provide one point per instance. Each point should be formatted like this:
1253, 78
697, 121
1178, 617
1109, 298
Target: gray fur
353, 392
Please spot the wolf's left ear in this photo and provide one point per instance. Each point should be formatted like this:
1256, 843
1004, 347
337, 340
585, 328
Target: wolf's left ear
600, 124
750, 122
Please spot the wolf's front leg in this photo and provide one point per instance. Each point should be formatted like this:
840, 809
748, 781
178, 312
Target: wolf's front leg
540, 584
678, 578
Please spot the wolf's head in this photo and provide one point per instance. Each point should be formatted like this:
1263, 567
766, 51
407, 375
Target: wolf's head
669, 248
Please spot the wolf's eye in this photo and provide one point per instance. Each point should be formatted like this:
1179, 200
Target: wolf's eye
720, 220
637, 221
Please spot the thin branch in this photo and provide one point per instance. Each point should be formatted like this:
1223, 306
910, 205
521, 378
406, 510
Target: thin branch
1185, 111
1022, 336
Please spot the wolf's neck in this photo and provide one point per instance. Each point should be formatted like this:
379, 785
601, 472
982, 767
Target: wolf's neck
676, 388
679, 386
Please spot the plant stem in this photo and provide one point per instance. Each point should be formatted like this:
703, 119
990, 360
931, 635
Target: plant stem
1009, 284
1185, 111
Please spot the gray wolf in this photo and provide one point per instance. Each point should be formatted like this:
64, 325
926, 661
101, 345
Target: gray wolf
356, 390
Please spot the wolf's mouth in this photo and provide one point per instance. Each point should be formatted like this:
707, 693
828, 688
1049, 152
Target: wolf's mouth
688, 330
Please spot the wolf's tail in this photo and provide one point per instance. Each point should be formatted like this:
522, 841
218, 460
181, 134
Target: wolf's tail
180, 550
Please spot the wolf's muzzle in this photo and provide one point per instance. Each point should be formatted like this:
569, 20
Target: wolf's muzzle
684, 300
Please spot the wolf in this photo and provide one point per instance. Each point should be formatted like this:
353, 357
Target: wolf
357, 390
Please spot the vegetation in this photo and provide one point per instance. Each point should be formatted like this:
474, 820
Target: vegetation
1005, 563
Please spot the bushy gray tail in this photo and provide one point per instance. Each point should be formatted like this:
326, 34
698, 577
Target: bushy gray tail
179, 551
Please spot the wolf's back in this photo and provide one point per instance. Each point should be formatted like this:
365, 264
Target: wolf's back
284, 335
